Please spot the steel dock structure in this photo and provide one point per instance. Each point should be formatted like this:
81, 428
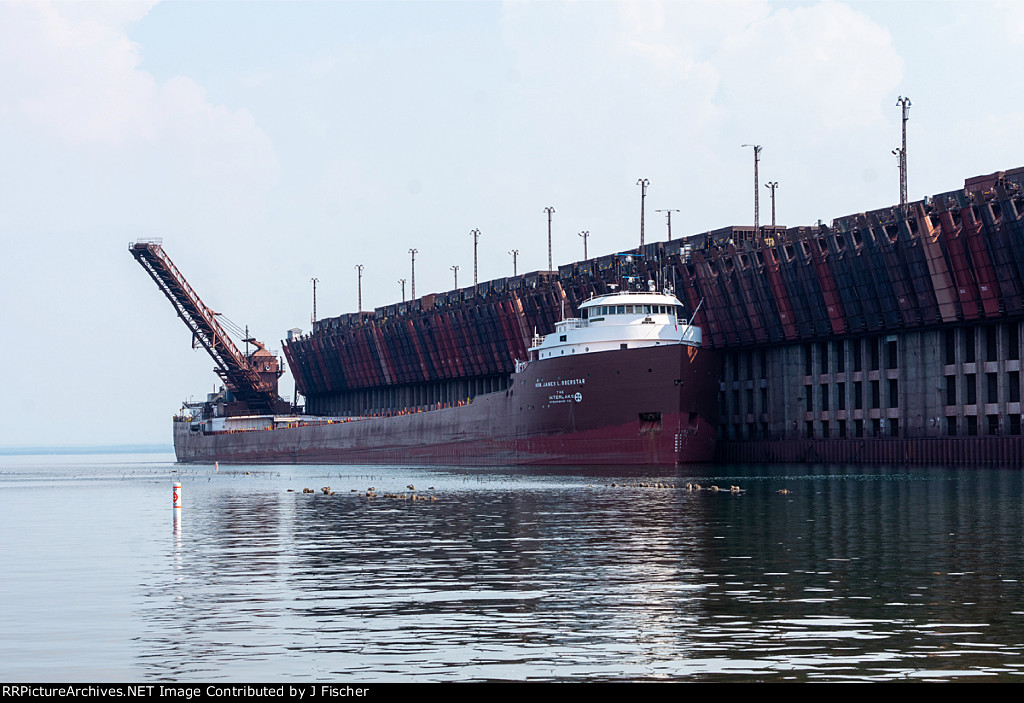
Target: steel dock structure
887, 336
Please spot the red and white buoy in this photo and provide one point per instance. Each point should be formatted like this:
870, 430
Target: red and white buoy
177, 498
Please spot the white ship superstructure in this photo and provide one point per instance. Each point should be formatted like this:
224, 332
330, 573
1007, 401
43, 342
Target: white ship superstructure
624, 320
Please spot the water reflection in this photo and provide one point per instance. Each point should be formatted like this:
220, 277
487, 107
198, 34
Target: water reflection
552, 575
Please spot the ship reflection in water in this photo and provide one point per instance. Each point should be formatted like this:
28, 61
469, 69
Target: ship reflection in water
546, 576
856, 574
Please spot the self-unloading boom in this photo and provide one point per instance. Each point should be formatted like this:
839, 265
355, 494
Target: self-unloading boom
251, 378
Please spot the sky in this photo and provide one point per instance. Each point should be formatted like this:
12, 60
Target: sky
270, 143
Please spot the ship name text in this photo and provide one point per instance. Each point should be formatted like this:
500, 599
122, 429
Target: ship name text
564, 382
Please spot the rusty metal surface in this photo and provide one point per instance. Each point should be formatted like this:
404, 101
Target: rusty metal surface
955, 257
655, 405
253, 379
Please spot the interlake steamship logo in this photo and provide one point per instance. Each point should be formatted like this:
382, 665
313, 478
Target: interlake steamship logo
562, 396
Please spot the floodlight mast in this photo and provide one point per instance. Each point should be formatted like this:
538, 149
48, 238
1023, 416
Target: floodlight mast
359, 269
585, 234
669, 214
413, 253
901, 153
772, 185
757, 158
643, 183
549, 210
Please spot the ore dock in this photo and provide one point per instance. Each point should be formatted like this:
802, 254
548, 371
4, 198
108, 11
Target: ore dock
887, 336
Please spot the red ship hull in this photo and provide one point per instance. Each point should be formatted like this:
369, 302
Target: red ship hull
648, 406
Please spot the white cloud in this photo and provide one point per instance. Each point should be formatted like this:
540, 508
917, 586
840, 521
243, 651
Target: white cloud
830, 60
828, 57
70, 74
98, 151
1013, 20
75, 75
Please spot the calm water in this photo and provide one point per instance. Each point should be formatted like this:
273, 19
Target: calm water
858, 574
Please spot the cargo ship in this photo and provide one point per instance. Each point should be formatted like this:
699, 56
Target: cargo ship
892, 335
625, 382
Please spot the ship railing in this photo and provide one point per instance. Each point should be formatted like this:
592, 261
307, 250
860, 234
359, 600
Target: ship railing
521, 365
398, 412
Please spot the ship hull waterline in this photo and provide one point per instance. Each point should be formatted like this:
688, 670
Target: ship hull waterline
644, 406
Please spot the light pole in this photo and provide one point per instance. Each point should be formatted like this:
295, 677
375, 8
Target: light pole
455, 270
772, 185
476, 237
669, 214
584, 234
401, 282
898, 153
757, 157
314, 280
359, 268
549, 210
901, 154
643, 183
515, 257
413, 252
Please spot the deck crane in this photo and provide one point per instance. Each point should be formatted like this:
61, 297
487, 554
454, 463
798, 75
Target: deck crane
250, 378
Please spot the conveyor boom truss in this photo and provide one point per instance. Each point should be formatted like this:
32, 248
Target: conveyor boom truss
232, 366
